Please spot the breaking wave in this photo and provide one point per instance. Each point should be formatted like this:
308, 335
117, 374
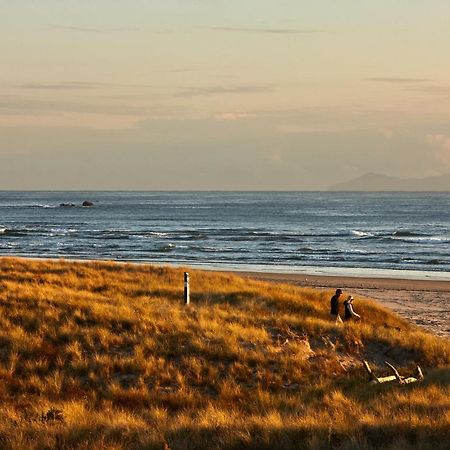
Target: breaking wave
289, 229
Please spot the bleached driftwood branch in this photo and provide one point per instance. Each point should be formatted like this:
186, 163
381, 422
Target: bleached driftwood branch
396, 377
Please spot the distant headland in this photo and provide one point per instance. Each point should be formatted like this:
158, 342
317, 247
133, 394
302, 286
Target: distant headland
379, 182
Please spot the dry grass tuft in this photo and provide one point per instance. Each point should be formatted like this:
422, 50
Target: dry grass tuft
103, 355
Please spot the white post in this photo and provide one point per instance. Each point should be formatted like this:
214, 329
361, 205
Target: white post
186, 288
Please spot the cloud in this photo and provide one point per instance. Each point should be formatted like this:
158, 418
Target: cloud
439, 139
387, 133
435, 89
67, 120
93, 29
231, 116
442, 142
18, 105
64, 85
77, 85
216, 90
181, 70
313, 128
267, 30
397, 80
423, 85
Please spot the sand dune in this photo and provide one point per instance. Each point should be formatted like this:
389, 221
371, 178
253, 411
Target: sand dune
423, 302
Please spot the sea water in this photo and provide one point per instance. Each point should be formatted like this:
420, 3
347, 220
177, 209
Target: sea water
384, 234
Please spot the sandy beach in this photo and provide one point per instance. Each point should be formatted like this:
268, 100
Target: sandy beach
423, 302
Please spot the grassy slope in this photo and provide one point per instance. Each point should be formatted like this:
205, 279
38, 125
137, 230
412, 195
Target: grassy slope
100, 355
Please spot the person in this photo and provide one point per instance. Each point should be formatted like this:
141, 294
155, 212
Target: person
334, 303
349, 312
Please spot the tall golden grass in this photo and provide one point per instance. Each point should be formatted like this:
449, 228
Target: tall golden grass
103, 355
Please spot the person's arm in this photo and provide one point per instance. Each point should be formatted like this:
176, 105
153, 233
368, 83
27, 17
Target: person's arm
353, 312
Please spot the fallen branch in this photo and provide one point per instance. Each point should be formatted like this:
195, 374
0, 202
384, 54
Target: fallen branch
396, 377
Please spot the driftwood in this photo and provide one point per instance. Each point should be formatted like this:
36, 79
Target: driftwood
396, 377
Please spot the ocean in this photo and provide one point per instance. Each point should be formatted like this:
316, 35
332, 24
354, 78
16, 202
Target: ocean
380, 234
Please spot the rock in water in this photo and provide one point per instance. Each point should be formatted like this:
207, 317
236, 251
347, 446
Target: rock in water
87, 203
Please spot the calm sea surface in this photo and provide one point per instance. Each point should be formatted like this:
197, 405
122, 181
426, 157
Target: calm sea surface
273, 231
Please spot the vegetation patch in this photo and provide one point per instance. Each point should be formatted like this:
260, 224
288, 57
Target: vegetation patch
104, 355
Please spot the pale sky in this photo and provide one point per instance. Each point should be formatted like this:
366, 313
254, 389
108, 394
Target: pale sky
221, 94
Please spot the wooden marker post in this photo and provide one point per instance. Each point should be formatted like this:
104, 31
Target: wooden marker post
186, 288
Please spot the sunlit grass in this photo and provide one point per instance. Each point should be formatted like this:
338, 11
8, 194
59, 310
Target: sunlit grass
103, 355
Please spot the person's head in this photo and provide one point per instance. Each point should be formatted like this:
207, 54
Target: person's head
349, 298
338, 292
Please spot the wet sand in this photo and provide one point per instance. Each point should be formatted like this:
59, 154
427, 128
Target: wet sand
423, 302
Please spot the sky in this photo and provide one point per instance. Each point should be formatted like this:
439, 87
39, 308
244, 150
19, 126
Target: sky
221, 94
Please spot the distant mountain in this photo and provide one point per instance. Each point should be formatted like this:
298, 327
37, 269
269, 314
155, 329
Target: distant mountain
378, 182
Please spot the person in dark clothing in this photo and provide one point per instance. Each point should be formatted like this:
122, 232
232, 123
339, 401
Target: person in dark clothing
349, 313
334, 303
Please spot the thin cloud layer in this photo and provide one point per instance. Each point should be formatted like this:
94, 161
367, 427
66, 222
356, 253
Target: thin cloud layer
441, 90
69, 85
217, 90
442, 144
77, 85
422, 85
398, 80
94, 30
24, 105
267, 30
439, 139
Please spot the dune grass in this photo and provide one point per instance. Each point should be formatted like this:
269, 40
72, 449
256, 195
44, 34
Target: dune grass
103, 355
